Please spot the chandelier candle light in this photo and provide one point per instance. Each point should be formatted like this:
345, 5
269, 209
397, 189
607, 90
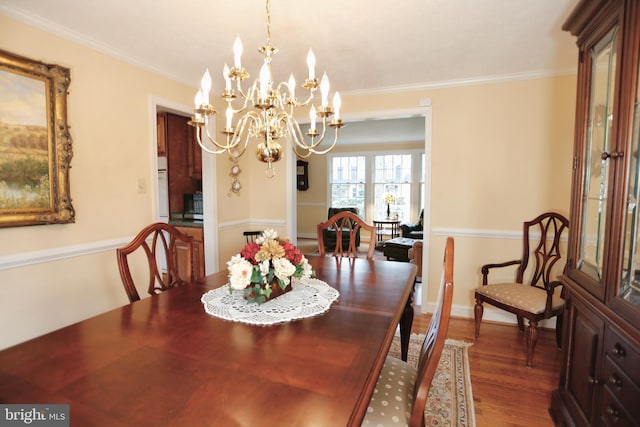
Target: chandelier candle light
266, 111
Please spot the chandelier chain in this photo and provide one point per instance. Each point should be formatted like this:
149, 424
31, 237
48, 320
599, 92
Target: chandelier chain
268, 22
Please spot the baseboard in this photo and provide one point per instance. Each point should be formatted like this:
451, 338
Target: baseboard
307, 236
490, 314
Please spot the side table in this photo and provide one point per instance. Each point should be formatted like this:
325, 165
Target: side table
386, 227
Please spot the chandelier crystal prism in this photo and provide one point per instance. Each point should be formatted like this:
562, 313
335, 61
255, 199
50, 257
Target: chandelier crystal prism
266, 111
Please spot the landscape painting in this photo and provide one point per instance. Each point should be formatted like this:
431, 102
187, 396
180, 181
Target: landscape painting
24, 144
35, 145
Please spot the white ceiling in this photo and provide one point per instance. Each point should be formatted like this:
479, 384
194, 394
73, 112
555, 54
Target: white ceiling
363, 45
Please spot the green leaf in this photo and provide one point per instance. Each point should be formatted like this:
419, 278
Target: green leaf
255, 275
267, 292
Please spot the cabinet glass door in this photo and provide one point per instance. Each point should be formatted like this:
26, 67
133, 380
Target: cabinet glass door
598, 144
629, 289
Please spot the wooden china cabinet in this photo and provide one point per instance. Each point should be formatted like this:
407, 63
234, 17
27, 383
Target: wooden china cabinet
600, 372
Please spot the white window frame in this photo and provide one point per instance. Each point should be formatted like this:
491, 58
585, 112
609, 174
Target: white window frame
417, 179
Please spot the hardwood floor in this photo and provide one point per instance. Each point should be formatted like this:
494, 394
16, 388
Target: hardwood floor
505, 391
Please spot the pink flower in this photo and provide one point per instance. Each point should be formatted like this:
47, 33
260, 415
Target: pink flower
249, 252
292, 254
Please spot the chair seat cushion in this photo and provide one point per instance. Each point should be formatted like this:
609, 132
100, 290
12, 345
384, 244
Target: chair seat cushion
523, 297
392, 398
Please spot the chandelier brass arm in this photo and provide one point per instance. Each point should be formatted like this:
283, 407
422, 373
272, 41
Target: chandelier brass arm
265, 111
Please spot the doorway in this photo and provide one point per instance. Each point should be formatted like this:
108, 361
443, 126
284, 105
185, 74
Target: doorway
209, 191
424, 111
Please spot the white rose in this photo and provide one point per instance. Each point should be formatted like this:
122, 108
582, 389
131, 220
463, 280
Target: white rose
268, 234
284, 269
239, 273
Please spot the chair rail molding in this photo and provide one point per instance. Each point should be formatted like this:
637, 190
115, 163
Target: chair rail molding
484, 233
478, 233
252, 223
63, 252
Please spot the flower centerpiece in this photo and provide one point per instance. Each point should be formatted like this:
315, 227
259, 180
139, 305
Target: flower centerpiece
264, 269
388, 199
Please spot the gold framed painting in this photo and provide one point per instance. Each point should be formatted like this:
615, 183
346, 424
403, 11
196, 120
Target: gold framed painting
35, 143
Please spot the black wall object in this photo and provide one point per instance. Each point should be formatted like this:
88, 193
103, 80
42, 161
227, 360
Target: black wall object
302, 175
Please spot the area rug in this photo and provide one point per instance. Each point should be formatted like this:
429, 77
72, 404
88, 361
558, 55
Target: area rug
450, 402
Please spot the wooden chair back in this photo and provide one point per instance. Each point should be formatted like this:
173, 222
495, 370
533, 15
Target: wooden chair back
346, 223
547, 253
548, 228
159, 241
434, 339
251, 236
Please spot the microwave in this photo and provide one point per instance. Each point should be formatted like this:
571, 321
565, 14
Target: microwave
193, 206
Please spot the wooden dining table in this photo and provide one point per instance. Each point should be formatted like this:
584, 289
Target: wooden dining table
164, 361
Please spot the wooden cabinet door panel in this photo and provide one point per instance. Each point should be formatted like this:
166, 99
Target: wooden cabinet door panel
178, 149
195, 155
587, 331
198, 244
161, 135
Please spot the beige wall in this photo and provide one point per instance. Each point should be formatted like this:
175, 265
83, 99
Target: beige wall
109, 113
501, 153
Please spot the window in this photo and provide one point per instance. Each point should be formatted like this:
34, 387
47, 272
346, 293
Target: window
392, 178
347, 180
364, 181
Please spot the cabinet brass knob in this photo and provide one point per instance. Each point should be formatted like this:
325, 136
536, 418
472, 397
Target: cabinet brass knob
618, 350
615, 381
612, 412
593, 381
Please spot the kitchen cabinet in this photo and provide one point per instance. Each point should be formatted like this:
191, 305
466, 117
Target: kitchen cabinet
161, 135
600, 372
180, 146
195, 157
198, 256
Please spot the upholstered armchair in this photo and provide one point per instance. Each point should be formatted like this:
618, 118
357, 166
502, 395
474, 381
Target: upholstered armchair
535, 294
413, 231
329, 234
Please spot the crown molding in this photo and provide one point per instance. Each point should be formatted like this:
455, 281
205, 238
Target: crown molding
64, 32
475, 81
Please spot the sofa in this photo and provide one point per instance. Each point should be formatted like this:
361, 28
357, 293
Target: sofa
413, 231
329, 235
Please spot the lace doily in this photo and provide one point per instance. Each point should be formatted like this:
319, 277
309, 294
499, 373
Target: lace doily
308, 298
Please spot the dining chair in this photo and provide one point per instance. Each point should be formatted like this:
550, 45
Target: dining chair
250, 236
170, 259
344, 224
329, 234
401, 393
538, 299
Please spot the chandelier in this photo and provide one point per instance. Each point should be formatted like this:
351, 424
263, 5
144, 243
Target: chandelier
265, 111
